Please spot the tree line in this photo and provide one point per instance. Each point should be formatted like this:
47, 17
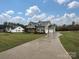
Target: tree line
9, 25
71, 27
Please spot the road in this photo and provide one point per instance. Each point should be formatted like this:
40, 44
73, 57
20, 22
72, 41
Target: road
48, 47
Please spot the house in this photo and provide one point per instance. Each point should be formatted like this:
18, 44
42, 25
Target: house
15, 29
18, 29
39, 27
43, 26
31, 27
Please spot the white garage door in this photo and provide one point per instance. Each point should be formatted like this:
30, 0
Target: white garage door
51, 30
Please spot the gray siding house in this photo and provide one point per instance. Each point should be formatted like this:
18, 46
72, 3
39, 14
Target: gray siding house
31, 27
40, 27
43, 26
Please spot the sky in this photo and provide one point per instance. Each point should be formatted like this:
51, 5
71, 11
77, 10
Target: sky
23, 11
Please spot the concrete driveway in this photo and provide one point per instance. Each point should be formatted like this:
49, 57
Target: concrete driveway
48, 47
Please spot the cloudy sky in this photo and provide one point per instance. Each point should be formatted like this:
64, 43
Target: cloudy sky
24, 11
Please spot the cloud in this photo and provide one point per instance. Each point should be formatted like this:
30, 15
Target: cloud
17, 19
67, 18
50, 18
71, 15
37, 18
33, 10
4, 17
8, 17
19, 13
68, 3
60, 1
36, 15
73, 4
41, 17
10, 12
45, 1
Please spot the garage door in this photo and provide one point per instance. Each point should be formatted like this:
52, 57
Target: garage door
51, 30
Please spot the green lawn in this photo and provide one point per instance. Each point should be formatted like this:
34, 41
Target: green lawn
70, 41
10, 40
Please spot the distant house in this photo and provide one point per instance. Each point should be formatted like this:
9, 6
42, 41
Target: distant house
39, 27
18, 29
15, 29
2, 28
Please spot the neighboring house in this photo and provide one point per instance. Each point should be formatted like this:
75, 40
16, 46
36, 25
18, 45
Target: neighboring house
18, 29
39, 27
2, 28
15, 29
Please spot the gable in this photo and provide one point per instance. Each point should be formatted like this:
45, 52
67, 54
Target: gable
31, 25
38, 24
44, 23
18, 28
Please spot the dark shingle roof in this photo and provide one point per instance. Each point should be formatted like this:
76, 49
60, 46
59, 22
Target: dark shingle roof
32, 25
44, 23
40, 23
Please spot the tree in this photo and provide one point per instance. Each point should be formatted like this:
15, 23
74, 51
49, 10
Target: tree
73, 23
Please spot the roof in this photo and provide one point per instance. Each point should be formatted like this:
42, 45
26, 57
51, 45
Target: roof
51, 26
32, 25
14, 26
44, 23
19, 27
38, 24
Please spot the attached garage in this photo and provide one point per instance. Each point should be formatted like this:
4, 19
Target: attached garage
51, 29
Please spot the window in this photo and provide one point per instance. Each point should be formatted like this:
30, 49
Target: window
19, 28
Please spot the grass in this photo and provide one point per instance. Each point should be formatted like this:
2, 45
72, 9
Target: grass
70, 41
10, 40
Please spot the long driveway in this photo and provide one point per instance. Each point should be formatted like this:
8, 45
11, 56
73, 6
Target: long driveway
48, 47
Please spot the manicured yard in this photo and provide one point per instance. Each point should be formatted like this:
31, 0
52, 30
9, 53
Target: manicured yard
70, 41
10, 40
